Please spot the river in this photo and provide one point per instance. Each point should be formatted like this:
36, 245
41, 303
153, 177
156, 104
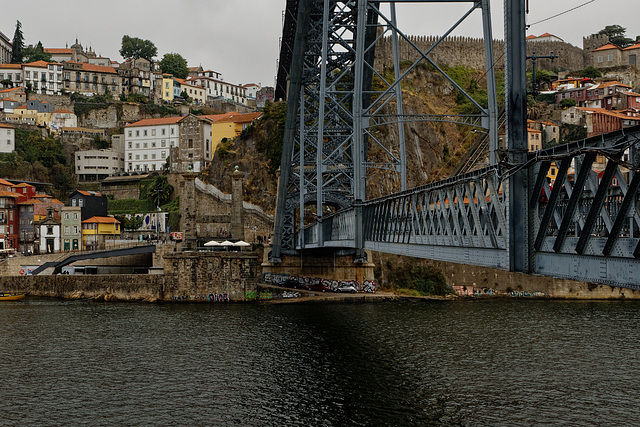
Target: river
485, 362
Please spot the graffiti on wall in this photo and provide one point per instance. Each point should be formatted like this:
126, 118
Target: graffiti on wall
293, 281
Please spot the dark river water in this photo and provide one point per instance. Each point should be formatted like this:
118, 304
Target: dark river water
489, 362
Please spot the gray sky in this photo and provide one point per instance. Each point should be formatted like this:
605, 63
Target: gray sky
240, 38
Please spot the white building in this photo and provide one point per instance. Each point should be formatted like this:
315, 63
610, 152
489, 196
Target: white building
11, 72
45, 77
63, 119
5, 49
49, 233
217, 89
148, 142
96, 165
7, 138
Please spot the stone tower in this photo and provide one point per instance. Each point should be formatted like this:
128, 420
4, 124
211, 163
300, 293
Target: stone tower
237, 212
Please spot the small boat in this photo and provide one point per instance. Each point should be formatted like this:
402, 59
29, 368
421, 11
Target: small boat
11, 297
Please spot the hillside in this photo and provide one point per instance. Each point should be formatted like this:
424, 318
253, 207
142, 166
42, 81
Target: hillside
433, 148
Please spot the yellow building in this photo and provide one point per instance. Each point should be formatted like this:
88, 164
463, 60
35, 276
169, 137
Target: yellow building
95, 230
167, 88
534, 138
229, 126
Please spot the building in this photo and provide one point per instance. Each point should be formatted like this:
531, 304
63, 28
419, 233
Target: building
606, 95
8, 218
48, 233
611, 55
546, 37
597, 121
24, 190
550, 131
44, 77
41, 210
91, 79
12, 74
194, 150
71, 228
96, 229
96, 165
192, 90
220, 90
229, 125
147, 143
534, 139
59, 119
91, 203
136, 77
27, 231
16, 93
7, 138
5, 49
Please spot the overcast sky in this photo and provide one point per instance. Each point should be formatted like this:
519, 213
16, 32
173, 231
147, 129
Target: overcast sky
240, 38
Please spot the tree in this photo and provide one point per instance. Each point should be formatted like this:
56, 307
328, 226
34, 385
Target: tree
159, 192
590, 72
36, 53
617, 35
17, 45
134, 48
175, 64
567, 103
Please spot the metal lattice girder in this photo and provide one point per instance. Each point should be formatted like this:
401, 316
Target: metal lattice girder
332, 109
591, 208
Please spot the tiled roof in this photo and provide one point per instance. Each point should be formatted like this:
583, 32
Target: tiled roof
9, 99
534, 130
42, 196
239, 118
5, 182
101, 220
5, 126
40, 64
11, 66
607, 46
154, 122
63, 111
89, 193
55, 51
12, 89
9, 194
98, 68
22, 185
31, 202
634, 46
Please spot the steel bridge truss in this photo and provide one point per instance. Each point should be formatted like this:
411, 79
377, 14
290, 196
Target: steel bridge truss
585, 225
334, 110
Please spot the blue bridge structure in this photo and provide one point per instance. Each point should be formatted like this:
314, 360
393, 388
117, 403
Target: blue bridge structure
583, 225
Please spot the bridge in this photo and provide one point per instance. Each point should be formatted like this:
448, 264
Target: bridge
584, 225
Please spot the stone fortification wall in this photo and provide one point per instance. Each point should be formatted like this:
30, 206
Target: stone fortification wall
188, 277
59, 102
469, 52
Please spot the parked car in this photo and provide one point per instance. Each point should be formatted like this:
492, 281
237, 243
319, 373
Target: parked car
346, 288
318, 288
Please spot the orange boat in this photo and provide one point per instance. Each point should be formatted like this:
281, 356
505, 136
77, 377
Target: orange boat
11, 297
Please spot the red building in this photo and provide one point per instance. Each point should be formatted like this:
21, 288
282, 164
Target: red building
25, 191
8, 220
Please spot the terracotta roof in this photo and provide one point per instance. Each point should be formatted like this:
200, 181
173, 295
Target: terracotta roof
42, 196
101, 220
607, 46
89, 193
22, 185
9, 194
98, 68
11, 66
531, 37
56, 202
154, 122
631, 93
9, 99
12, 89
634, 46
40, 64
57, 51
63, 111
239, 118
5, 126
534, 130
5, 182
31, 202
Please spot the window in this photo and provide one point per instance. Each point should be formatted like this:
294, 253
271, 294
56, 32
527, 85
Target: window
75, 216
130, 134
609, 57
190, 143
163, 143
163, 131
66, 215
145, 132
599, 58
137, 133
130, 144
153, 132
146, 145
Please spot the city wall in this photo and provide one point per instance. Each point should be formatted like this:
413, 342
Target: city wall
469, 52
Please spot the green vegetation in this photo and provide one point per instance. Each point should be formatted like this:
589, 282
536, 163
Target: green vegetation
590, 72
617, 35
270, 140
567, 103
417, 279
469, 80
17, 45
38, 159
175, 64
134, 48
83, 104
36, 53
154, 192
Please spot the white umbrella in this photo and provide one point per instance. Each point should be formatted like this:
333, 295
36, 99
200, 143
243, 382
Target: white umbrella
212, 243
226, 243
241, 243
